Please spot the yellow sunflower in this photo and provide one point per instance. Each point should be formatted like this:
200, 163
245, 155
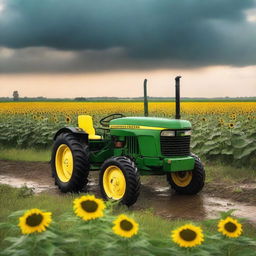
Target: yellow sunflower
34, 220
89, 207
125, 226
230, 227
68, 119
231, 125
232, 116
187, 236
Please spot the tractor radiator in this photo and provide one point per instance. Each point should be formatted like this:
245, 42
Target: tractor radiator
132, 145
175, 145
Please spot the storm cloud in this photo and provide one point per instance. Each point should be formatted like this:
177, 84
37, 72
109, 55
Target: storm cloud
91, 35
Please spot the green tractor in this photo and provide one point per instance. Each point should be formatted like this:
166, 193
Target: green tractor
128, 147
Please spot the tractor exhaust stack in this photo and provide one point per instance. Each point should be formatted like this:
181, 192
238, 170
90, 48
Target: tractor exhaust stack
145, 98
177, 96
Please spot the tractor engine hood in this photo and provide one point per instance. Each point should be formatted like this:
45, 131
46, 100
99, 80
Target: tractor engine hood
148, 122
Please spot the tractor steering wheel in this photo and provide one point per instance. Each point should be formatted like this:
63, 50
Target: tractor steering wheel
105, 120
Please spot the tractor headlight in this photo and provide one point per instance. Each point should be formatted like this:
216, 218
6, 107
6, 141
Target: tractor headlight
187, 133
168, 133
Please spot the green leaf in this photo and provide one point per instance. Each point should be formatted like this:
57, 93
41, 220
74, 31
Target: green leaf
49, 249
242, 153
241, 142
227, 151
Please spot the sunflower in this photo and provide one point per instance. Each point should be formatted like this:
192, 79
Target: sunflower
125, 226
230, 227
231, 125
188, 236
89, 207
68, 119
34, 220
232, 116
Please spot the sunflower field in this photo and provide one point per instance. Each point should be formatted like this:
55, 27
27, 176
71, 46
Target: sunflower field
224, 131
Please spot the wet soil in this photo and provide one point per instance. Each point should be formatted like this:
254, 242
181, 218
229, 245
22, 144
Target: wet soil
155, 193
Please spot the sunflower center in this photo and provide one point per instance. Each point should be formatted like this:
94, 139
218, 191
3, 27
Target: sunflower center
230, 227
126, 225
34, 220
89, 206
188, 235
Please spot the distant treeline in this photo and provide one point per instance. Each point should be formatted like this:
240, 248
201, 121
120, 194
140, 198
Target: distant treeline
137, 99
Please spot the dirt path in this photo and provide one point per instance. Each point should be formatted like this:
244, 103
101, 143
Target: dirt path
155, 193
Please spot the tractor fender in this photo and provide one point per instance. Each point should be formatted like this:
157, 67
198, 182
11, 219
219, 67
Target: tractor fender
74, 130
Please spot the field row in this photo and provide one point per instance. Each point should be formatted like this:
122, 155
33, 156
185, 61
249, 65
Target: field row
105, 108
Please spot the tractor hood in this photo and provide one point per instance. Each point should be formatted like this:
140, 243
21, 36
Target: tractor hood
149, 122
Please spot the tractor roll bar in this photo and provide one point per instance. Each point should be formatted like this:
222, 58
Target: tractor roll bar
177, 97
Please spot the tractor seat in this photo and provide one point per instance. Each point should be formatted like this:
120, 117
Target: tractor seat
85, 123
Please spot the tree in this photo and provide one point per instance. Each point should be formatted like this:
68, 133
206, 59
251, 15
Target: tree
15, 95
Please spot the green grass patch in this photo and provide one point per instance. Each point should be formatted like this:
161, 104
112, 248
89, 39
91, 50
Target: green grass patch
220, 171
26, 155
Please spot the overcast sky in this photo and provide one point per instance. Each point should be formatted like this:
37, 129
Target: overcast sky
64, 48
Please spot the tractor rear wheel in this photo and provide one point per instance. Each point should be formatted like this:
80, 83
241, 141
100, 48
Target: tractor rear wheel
188, 182
119, 180
69, 163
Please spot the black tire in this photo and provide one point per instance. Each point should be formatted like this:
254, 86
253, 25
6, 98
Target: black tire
131, 175
81, 165
197, 182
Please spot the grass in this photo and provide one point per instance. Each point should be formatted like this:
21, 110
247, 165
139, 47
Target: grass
26, 155
219, 171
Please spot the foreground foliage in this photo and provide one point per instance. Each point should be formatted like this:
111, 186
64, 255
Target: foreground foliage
224, 131
102, 233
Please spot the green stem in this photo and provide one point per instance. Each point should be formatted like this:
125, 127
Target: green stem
89, 238
127, 247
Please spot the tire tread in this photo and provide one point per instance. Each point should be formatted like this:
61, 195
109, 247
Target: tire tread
132, 178
80, 160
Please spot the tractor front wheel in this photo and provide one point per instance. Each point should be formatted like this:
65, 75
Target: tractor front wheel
188, 182
70, 164
119, 180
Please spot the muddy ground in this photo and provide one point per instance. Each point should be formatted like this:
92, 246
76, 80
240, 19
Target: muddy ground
155, 193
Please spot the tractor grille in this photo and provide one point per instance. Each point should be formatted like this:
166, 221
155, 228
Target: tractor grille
132, 145
175, 145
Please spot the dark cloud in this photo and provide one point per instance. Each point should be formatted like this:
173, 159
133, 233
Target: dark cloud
126, 34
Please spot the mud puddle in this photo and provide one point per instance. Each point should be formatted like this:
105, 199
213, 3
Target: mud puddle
19, 182
161, 200
167, 204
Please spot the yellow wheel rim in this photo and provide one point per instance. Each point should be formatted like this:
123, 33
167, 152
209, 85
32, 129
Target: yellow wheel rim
182, 179
64, 163
114, 182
